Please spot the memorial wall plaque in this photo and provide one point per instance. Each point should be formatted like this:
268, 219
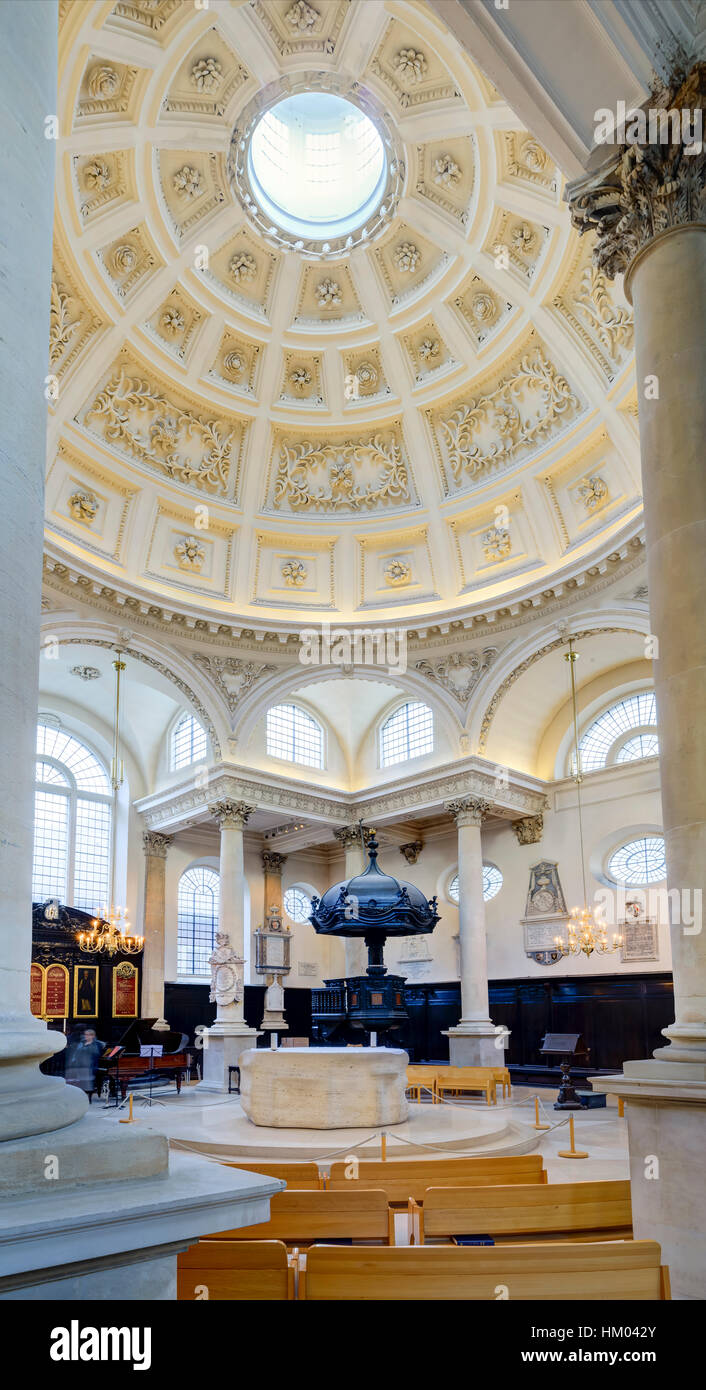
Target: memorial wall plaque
546, 914
640, 939
56, 992
125, 980
36, 990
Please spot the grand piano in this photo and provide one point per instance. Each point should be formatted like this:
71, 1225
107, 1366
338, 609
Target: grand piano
121, 1062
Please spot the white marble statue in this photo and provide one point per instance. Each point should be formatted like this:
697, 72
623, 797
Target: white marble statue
226, 983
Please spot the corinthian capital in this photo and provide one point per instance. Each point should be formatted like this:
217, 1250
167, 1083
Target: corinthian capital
350, 835
653, 183
468, 810
272, 862
155, 845
231, 814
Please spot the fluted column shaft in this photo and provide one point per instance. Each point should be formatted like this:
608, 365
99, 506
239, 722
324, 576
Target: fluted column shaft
155, 847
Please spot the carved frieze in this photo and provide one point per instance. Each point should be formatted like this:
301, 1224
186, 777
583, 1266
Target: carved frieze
232, 676
460, 672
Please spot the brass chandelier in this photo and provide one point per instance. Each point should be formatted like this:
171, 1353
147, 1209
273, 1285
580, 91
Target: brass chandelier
111, 934
586, 931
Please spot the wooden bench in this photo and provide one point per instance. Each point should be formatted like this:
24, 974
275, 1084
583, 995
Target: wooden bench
515, 1214
298, 1218
460, 1079
401, 1179
422, 1079
222, 1269
298, 1176
562, 1272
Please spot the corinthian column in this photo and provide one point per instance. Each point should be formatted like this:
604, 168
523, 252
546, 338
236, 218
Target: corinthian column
647, 205
474, 1040
155, 847
348, 837
227, 1038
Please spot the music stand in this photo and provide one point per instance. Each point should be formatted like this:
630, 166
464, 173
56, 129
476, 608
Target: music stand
569, 1046
150, 1050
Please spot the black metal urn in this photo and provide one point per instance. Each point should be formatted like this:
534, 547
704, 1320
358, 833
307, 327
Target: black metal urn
372, 905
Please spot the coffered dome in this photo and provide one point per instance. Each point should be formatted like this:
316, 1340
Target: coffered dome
406, 392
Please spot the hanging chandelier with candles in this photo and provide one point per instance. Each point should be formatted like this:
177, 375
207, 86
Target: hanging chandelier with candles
586, 931
111, 934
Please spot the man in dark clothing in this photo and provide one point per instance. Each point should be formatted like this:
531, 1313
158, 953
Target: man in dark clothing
82, 1058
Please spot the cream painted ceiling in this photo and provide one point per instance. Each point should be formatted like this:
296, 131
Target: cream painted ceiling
453, 427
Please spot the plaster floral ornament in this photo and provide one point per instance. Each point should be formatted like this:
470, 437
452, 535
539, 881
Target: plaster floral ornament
294, 573
243, 267
61, 329
483, 307
341, 477
207, 74
233, 364
97, 175
447, 172
350, 475
522, 238
460, 672
410, 65
612, 324
300, 378
103, 82
187, 181
124, 259
496, 542
302, 17
86, 673
190, 553
507, 418
177, 441
532, 155
172, 322
83, 505
397, 573
328, 292
367, 375
429, 349
407, 257
592, 492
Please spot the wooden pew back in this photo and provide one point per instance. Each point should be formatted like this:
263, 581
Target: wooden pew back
405, 1178
219, 1269
466, 1078
558, 1272
300, 1217
587, 1210
298, 1176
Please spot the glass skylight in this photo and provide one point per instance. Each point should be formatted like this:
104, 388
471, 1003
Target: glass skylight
317, 164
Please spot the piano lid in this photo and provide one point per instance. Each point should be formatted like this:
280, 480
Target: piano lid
141, 1032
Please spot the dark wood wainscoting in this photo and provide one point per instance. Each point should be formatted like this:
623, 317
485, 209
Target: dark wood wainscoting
186, 1006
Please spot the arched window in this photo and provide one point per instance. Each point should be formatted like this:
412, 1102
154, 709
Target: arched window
620, 734
189, 743
294, 736
639, 862
492, 883
297, 904
72, 822
197, 919
408, 733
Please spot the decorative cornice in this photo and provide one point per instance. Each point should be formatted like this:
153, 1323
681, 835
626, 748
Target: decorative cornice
231, 815
643, 190
468, 810
155, 845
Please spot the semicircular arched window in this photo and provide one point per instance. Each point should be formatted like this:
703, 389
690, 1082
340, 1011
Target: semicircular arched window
189, 742
639, 862
408, 733
294, 736
621, 734
73, 809
197, 919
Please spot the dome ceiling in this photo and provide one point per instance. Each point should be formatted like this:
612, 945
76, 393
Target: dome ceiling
440, 419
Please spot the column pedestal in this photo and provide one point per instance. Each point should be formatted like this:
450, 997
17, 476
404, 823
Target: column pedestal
223, 1045
482, 1048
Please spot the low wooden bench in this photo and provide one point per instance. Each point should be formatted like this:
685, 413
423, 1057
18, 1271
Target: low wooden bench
460, 1079
501, 1076
515, 1215
299, 1218
568, 1272
298, 1176
422, 1079
229, 1269
401, 1179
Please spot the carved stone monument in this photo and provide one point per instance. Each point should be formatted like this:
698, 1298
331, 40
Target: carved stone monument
224, 1041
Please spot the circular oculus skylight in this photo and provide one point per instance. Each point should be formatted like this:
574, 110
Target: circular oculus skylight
317, 171
317, 163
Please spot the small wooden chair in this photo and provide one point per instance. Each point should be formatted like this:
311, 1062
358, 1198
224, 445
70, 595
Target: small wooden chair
218, 1269
567, 1272
501, 1076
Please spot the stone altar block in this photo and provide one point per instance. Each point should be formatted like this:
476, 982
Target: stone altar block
324, 1087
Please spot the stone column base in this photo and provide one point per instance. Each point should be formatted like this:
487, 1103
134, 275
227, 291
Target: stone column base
469, 1047
73, 1225
222, 1049
665, 1109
